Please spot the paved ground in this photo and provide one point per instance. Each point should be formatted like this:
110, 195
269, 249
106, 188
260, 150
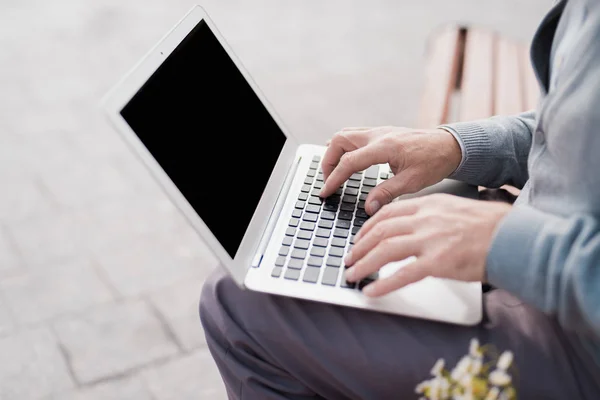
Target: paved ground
99, 275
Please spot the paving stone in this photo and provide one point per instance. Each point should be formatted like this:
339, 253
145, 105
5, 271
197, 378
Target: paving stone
32, 366
179, 306
148, 264
56, 237
191, 377
112, 340
42, 294
129, 388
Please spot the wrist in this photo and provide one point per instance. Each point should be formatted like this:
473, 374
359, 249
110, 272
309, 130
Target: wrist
451, 149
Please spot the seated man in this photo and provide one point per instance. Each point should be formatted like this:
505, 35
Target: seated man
542, 254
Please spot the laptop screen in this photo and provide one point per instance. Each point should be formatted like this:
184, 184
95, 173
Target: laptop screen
202, 122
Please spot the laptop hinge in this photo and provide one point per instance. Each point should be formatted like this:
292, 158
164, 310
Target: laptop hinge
274, 217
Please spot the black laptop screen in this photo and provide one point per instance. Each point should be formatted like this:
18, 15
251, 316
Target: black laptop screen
205, 126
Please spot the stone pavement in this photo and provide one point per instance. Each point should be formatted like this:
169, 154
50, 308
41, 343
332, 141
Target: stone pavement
99, 274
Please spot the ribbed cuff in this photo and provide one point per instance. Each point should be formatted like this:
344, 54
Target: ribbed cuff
513, 246
476, 146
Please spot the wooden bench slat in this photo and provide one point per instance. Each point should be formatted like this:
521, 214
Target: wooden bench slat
531, 86
476, 100
440, 78
508, 98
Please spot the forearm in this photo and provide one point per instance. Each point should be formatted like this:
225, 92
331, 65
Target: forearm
552, 263
495, 150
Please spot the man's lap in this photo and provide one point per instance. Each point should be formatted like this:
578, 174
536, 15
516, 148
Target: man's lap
278, 347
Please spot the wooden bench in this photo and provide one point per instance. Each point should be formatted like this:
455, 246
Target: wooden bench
471, 74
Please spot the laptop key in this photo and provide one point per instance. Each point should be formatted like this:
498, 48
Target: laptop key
363, 197
330, 206
287, 241
333, 200
341, 233
318, 185
352, 239
355, 229
361, 205
301, 244
296, 213
304, 235
359, 222
294, 222
342, 223
276, 273
315, 200
339, 191
351, 191
284, 250
353, 184
369, 182
347, 285
311, 173
280, 261
295, 263
347, 207
347, 215
308, 180
310, 217
371, 278
314, 165
372, 172
362, 214
334, 261
338, 242
325, 223
319, 177
307, 226
356, 177
291, 231
303, 196
316, 158
349, 199
315, 192
323, 233
383, 175
317, 251
305, 188
320, 242
300, 204
297, 253
311, 275
315, 261
292, 274
330, 276
328, 215
336, 251
366, 189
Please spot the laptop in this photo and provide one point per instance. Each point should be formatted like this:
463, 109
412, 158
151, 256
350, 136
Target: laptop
196, 119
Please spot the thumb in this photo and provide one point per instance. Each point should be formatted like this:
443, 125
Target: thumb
385, 192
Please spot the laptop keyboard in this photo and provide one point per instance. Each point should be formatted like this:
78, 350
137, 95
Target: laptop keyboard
321, 231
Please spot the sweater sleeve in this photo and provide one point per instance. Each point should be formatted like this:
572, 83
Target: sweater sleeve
495, 150
552, 263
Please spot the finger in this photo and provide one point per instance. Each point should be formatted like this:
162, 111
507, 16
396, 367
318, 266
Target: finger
352, 162
340, 143
388, 228
385, 192
397, 209
410, 273
393, 249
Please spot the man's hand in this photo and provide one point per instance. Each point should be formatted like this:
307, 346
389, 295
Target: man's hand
449, 235
418, 158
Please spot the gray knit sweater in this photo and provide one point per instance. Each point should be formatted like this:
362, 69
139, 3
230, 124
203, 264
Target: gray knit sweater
547, 249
